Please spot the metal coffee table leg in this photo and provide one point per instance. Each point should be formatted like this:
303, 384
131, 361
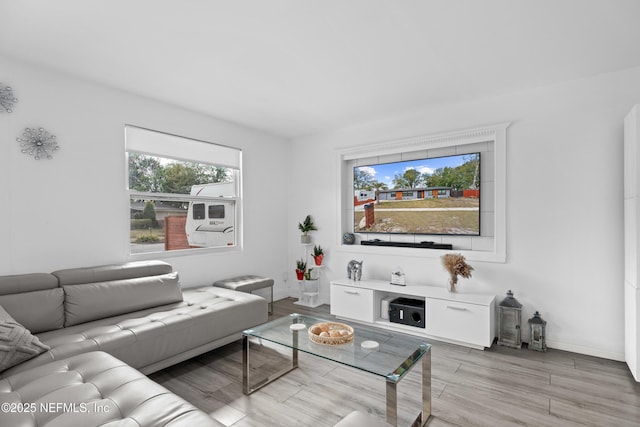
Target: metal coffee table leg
392, 396
247, 387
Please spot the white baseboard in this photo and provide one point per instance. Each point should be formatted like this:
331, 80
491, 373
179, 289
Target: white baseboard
279, 294
590, 351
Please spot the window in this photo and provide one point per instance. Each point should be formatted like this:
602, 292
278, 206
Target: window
198, 211
486, 242
183, 193
216, 211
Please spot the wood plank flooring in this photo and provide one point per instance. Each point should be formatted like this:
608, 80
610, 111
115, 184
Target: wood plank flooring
496, 387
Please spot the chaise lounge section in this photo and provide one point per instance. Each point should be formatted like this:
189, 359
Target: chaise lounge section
92, 389
135, 312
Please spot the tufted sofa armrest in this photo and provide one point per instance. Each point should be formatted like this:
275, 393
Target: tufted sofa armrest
92, 389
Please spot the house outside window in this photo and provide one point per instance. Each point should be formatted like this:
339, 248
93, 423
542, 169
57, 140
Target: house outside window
184, 194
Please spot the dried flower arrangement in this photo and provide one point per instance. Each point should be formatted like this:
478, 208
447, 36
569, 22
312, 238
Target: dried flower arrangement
456, 265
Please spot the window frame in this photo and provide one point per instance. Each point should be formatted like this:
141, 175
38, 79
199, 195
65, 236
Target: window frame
237, 200
490, 247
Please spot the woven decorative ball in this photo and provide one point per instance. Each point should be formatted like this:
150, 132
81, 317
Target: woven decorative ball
331, 333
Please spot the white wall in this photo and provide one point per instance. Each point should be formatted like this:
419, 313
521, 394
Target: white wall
73, 210
564, 204
564, 193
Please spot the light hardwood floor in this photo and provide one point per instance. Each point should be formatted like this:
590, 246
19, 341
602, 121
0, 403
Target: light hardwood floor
496, 387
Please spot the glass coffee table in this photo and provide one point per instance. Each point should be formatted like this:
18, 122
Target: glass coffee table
394, 356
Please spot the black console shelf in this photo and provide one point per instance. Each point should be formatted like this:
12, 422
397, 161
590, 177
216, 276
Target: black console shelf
423, 245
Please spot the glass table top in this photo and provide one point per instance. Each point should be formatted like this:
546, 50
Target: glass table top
393, 358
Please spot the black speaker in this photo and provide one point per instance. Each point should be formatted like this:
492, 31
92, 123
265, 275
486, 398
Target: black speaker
407, 311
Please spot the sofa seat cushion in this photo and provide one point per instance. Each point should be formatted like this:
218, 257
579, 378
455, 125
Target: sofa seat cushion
246, 283
93, 389
146, 337
17, 344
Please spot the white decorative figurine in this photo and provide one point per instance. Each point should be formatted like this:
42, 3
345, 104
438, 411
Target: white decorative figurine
354, 268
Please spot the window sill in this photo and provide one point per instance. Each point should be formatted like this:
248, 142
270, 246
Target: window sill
183, 252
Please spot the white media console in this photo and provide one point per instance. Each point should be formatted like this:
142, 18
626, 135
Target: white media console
460, 318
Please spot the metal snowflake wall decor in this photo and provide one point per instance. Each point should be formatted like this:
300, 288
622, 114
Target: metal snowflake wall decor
38, 143
6, 99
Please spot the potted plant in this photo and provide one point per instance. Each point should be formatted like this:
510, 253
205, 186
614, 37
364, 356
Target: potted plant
318, 254
307, 275
306, 226
301, 267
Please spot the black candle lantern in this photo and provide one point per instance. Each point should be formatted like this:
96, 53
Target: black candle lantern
509, 322
537, 326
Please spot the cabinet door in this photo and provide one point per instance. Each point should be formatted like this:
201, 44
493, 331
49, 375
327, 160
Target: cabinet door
352, 302
466, 323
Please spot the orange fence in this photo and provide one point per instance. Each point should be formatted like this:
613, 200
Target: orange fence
369, 215
175, 236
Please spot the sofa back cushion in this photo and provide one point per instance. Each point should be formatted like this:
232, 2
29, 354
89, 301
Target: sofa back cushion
106, 273
92, 301
27, 283
34, 300
38, 311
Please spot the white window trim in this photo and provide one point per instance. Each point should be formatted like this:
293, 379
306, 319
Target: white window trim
128, 194
497, 134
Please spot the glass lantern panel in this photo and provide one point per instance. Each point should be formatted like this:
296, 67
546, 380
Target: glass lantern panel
536, 333
509, 327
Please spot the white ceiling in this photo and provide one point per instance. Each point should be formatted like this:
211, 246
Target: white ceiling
295, 67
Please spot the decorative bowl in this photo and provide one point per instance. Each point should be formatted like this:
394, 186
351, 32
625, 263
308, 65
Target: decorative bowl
331, 333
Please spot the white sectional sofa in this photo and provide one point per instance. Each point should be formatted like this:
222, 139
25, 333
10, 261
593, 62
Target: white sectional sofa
132, 315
